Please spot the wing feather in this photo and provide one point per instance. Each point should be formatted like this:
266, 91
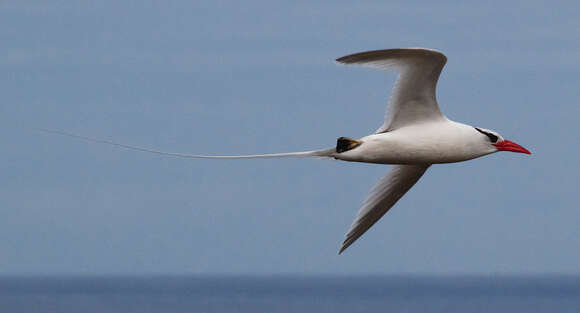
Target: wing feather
413, 99
382, 197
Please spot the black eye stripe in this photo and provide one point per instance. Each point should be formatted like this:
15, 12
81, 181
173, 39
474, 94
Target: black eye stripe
493, 138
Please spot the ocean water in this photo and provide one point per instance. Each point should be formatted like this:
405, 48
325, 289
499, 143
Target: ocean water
289, 294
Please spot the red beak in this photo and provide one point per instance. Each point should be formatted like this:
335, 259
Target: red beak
507, 145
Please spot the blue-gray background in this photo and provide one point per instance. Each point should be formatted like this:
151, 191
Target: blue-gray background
255, 77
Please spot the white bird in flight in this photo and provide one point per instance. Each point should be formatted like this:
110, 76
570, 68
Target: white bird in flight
414, 135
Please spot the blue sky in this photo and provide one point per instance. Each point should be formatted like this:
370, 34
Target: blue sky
222, 77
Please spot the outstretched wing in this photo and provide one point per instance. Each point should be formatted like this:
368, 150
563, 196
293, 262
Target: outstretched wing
413, 97
382, 197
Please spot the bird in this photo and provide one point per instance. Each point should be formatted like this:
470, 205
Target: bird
414, 134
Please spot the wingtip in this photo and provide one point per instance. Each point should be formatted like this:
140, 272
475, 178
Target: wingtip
345, 245
374, 55
340, 60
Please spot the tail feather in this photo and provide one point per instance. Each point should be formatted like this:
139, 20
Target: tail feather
303, 154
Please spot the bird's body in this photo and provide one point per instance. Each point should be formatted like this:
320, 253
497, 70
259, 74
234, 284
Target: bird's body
441, 141
414, 135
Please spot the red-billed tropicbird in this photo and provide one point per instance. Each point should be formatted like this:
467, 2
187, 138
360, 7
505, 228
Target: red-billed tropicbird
414, 135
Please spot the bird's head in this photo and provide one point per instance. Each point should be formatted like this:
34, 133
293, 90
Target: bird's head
498, 142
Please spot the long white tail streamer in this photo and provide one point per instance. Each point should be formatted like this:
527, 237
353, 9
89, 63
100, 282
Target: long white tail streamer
303, 154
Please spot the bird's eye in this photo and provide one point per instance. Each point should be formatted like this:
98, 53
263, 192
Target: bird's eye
493, 138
